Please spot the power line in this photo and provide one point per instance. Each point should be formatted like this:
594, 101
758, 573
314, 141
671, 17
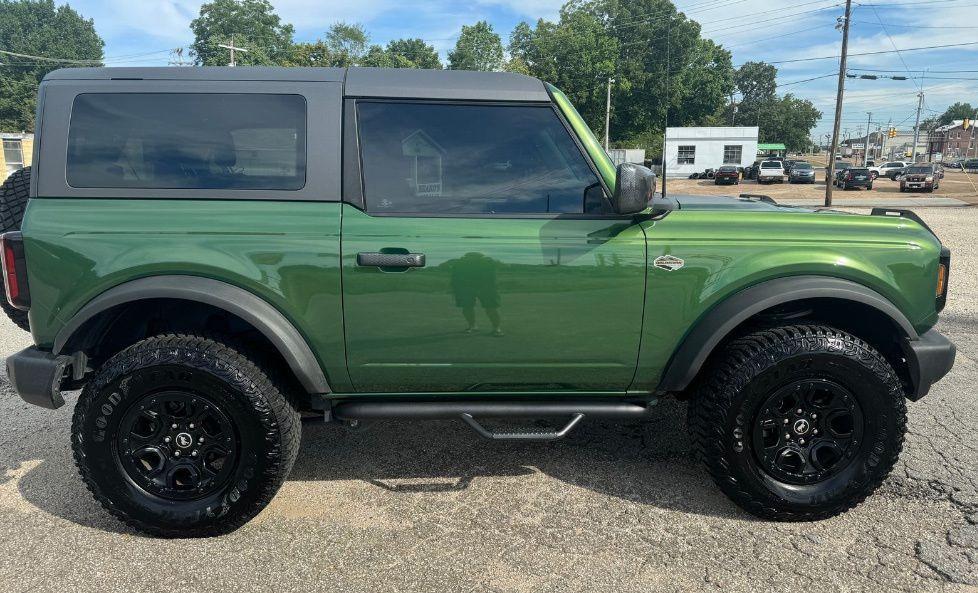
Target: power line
873, 53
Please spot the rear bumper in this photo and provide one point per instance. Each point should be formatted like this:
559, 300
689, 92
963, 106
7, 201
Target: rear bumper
36, 376
930, 358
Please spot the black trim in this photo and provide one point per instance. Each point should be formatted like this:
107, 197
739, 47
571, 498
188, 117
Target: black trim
352, 178
717, 323
36, 376
929, 358
249, 307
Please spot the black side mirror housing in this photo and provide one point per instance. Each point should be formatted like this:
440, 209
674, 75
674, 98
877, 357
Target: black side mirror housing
635, 191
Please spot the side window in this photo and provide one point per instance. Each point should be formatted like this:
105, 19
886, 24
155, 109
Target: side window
187, 141
687, 155
732, 154
472, 159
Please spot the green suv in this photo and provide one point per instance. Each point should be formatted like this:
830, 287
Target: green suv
214, 254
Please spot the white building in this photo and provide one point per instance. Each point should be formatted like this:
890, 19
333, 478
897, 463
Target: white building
693, 150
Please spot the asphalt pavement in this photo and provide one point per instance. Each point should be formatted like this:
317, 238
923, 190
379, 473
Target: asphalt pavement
431, 507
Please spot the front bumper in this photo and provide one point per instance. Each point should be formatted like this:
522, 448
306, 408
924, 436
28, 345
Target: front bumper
929, 358
36, 376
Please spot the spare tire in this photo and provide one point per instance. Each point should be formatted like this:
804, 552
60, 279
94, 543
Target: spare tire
13, 201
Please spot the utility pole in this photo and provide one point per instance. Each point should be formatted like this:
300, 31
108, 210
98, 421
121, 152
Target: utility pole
838, 104
607, 115
916, 127
733, 111
889, 124
869, 120
231, 47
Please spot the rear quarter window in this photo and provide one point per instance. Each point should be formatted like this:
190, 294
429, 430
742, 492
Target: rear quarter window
187, 141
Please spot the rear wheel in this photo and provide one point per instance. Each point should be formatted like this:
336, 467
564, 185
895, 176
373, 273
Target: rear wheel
14, 194
799, 422
182, 436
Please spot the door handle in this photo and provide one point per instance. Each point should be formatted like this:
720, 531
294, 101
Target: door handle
390, 260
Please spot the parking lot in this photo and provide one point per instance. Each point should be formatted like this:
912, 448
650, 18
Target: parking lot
956, 185
431, 507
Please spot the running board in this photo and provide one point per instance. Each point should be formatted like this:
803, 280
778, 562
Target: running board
469, 411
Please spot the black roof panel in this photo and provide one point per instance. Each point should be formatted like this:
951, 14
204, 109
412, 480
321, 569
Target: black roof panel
406, 83
256, 73
398, 83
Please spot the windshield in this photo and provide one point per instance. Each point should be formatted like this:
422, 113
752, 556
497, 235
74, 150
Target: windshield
893, 165
802, 166
919, 170
770, 165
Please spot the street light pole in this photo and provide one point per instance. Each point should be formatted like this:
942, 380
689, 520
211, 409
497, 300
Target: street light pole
838, 104
607, 115
869, 119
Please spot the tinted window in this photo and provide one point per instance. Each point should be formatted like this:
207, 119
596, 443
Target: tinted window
472, 159
893, 165
770, 165
726, 169
187, 141
802, 166
919, 170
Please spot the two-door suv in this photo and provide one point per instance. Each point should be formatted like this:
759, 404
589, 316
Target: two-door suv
211, 253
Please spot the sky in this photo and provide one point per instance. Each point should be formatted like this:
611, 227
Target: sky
141, 33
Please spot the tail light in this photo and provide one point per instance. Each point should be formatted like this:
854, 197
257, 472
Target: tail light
15, 270
943, 270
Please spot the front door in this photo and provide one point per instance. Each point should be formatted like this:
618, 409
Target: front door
485, 257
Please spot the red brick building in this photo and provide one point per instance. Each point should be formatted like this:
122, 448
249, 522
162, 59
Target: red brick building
953, 141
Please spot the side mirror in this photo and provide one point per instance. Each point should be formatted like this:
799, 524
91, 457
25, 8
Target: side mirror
634, 188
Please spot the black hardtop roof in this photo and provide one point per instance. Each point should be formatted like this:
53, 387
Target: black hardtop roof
402, 83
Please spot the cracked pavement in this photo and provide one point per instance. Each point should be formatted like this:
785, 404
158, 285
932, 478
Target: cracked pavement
431, 507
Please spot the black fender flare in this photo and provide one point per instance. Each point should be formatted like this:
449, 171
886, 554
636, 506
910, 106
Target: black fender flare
237, 301
718, 322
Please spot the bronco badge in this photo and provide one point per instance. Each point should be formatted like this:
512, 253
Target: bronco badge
669, 263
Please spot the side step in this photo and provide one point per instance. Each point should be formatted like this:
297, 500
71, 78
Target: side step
468, 411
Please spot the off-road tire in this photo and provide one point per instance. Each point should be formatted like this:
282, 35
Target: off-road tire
14, 194
723, 408
266, 425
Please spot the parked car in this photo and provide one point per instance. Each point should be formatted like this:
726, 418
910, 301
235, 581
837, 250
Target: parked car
751, 171
970, 165
923, 177
955, 164
727, 175
278, 269
856, 177
840, 167
770, 172
890, 169
802, 172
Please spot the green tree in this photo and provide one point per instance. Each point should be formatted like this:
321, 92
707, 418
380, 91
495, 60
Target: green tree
347, 44
415, 51
789, 120
786, 119
250, 24
756, 81
308, 55
957, 111
478, 48
39, 28
594, 40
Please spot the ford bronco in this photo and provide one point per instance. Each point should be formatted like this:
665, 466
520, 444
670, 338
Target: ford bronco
212, 254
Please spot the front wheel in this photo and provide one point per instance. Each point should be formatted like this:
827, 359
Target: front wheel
799, 423
182, 436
